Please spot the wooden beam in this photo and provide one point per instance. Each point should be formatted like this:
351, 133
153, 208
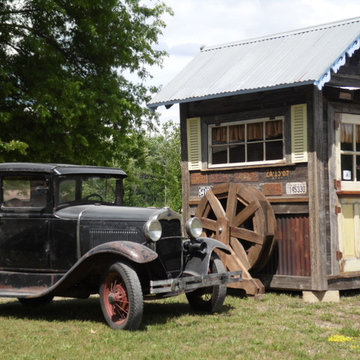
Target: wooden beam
285, 199
286, 282
185, 175
318, 188
247, 235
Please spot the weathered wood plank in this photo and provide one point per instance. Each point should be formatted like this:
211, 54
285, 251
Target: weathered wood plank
240, 252
245, 213
318, 188
215, 205
231, 201
209, 224
247, 235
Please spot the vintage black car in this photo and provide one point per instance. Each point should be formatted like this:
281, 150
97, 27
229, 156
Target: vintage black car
64, 231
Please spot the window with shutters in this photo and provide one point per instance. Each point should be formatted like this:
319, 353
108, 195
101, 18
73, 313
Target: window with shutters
255, 141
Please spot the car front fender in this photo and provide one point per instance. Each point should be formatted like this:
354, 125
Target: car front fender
132, 251
199, 261
98, 257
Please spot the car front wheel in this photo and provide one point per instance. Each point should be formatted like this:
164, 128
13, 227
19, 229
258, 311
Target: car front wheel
121, 298
211, 298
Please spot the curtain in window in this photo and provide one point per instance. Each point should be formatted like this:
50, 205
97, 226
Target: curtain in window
357, 134
274, 129
236, 133
346, 133
219, 135
255, 131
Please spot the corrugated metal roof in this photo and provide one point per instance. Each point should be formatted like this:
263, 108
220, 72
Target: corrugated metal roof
305, 56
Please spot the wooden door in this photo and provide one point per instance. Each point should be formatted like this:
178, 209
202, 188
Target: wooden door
349, 234
348, 175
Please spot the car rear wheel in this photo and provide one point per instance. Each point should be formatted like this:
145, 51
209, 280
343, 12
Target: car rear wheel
121, 298
209, 299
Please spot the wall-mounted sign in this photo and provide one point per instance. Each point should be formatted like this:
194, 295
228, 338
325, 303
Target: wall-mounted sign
347, 175
203, 190
277, 174
296, 188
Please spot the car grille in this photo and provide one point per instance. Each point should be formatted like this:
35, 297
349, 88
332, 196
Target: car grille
101, 236
169, 247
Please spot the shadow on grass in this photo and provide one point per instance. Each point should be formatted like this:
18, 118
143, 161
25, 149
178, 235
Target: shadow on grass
58, 310
156, 313
62, 310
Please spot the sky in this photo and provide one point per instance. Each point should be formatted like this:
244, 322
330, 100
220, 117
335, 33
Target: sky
210, 22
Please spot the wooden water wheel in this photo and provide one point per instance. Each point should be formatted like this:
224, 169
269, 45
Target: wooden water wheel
240, 216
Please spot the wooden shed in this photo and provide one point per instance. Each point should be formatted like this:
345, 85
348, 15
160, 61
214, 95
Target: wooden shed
271, 153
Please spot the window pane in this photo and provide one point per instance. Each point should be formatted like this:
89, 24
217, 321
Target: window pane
237, 154
67, 190
219, 155
98, 189
358, 168
255, 132
219, 135
346, 136
236, 133
346, 168
24, 192
274, 129
274, 150
255, 152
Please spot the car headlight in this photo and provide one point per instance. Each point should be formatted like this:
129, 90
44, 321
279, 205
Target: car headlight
153, 230
194, 227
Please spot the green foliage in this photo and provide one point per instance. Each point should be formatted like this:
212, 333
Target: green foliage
155, 178
64, 95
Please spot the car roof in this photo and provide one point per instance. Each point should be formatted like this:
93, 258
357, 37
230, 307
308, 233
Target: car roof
61, 169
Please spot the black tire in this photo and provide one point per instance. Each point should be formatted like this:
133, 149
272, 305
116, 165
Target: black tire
35, 302
121, 298
209, 299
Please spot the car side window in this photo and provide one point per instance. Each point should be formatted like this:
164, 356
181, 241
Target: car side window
20, 192
67, 190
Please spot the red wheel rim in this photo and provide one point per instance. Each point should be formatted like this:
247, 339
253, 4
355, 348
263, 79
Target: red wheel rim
116, 298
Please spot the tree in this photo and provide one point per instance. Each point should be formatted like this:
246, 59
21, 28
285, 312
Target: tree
64, 95
155, 180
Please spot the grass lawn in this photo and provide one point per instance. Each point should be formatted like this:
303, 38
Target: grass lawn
281, 326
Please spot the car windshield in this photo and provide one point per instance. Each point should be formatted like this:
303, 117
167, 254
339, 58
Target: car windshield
89, 189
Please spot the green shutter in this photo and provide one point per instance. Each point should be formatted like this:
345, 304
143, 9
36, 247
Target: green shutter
299, 142
194, 143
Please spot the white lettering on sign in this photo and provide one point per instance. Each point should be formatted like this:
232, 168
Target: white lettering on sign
296, 188
203, 190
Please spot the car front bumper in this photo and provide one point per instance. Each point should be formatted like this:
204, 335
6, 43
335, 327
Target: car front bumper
190, 283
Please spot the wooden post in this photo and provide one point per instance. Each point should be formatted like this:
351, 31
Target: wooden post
318, 190
185, 175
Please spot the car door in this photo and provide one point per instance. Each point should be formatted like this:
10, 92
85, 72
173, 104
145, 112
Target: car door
24, 222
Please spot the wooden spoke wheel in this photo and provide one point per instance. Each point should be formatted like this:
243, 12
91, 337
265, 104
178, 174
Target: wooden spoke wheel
240, 216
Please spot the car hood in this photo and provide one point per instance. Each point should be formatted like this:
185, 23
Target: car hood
118, 213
